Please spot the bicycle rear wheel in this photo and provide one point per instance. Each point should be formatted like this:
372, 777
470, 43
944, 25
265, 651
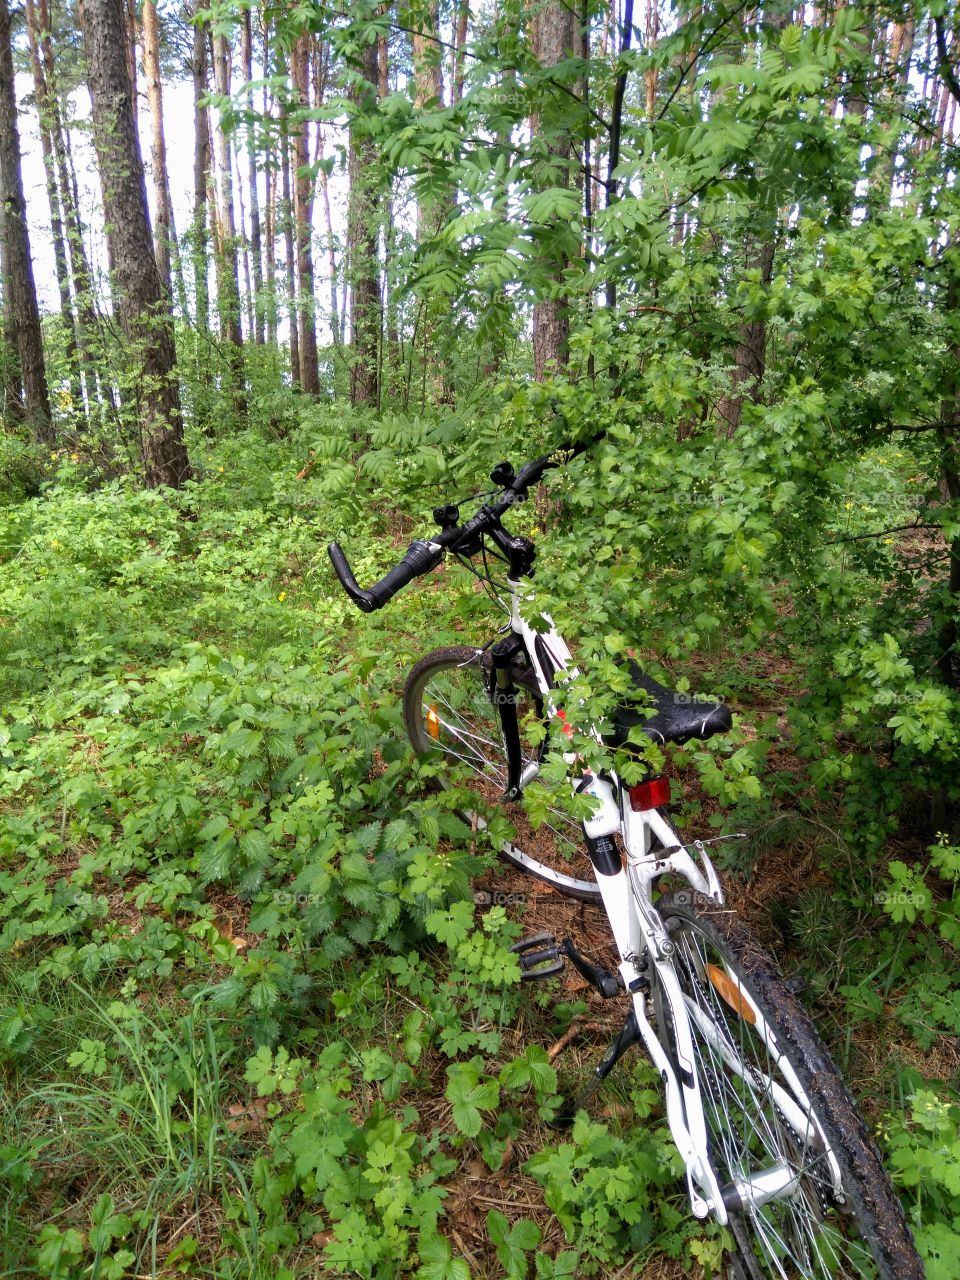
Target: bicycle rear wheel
449, 716
775, 1103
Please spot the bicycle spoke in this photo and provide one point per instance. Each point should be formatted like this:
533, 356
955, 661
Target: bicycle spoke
449, 714
755, 1121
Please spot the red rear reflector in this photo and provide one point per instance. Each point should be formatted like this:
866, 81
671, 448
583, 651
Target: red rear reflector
564, 724
650, 794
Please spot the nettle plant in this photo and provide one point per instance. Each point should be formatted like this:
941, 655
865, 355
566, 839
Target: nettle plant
924, 1146
329, 1171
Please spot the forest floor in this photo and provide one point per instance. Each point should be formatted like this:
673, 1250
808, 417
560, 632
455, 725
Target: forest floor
196, 730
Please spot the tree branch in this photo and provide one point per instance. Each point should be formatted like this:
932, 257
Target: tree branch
881, 533
938, 425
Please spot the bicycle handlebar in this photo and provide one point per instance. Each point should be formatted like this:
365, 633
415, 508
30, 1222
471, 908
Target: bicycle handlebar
420, 557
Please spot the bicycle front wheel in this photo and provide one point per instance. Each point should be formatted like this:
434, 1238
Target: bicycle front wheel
450, 717
779, 1119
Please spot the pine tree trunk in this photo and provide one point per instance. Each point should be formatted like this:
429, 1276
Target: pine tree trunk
553, 37
201, 173
54, 199
11, 409
228, 276
130, 19
18, 285
142, 306
270, 198
88, 331
363, 219
158, 152
331, 245
428, 87
256, 249
244, 247
288, 225
459, 60
303, 206
750, 360
650, 42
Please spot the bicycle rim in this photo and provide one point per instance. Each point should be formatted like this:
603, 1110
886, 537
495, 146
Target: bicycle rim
773, 1099
449, 716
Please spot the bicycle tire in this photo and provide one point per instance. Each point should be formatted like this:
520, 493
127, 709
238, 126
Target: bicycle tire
456, 679
875, 1239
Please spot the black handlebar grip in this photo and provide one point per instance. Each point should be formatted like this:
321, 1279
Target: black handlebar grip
419, 558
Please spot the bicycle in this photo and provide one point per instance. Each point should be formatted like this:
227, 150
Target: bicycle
772, 1142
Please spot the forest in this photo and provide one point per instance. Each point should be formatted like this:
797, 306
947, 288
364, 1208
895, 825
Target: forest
278, 275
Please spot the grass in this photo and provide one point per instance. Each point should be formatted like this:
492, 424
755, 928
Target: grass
212, 847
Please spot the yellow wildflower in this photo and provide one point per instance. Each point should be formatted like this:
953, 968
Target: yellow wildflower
282, 596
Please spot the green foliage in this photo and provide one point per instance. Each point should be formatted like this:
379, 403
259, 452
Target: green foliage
611, 1194
23, 468
924, 1149
240, 952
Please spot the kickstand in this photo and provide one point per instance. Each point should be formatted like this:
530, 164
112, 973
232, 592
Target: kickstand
628, 1035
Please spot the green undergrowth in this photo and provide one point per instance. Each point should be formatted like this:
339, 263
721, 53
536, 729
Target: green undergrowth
251, 1023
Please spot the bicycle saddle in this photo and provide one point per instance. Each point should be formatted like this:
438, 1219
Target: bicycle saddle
671, 717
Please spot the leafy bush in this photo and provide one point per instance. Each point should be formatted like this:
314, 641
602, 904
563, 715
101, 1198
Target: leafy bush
23, 468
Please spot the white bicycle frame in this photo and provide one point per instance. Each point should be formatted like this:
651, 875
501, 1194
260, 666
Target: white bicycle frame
639, 933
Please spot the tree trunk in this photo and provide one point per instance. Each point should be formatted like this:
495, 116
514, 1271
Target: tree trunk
750, 360
142, 306
158, 151
244, 248
11, 409
553, 37
331, 244
18, 285
270, 197
201, 173
362, 237
256, 247
459, 58
130, 20
428, 87
291, 273
651, 34
88, 333
228, 278
54, 199
303, 205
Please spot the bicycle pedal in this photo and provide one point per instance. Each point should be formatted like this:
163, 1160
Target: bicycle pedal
539, 957
601, 979
795, 984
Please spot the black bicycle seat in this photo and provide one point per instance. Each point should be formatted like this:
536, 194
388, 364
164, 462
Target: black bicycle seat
670, 717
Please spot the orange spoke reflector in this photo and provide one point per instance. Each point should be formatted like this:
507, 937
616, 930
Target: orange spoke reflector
731, 993
433, 722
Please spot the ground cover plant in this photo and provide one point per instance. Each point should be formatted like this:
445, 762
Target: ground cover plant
250, 1006
259, 1016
